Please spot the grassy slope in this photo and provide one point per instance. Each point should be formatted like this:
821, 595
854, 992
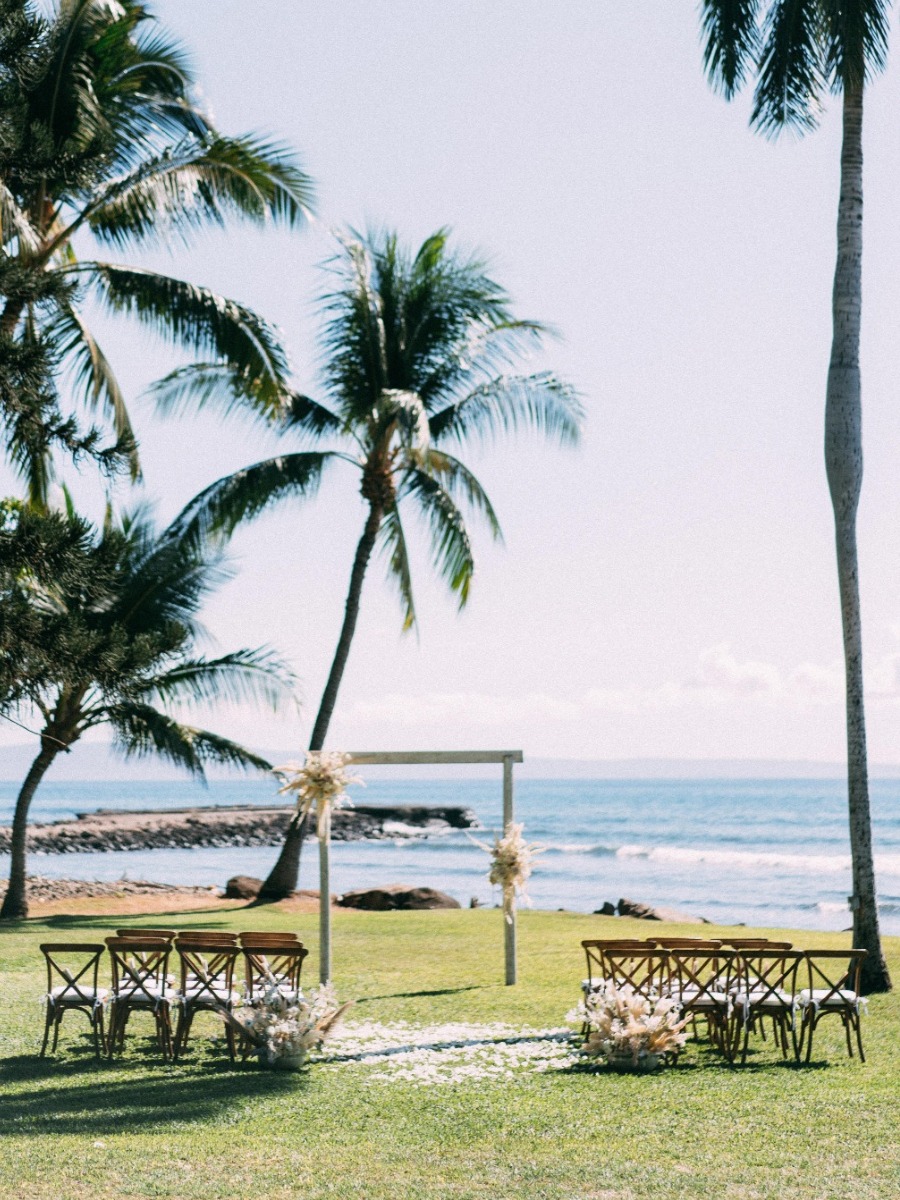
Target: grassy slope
202, 1129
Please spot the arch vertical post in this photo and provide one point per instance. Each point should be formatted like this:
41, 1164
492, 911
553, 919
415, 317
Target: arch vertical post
509, 895
324, 900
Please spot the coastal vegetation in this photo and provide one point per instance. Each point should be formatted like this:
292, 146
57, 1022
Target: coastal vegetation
799, 50
420, 352
202, 1128
106, 636
104, 142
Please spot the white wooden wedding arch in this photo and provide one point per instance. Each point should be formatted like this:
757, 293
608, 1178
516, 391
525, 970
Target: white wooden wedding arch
395, 758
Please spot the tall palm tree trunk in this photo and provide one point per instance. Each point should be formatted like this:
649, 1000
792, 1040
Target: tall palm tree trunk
844, 467
282, 879
15, 902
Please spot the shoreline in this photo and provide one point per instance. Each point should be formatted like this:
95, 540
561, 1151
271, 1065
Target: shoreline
218, 826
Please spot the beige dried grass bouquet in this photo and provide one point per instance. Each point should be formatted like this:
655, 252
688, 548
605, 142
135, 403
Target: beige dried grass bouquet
320, 784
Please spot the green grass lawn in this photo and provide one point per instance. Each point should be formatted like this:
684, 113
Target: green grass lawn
136, 1128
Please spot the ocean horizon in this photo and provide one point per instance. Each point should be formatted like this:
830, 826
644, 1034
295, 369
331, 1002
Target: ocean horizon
761, 852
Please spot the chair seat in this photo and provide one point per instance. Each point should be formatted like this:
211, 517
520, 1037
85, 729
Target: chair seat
763, 999
77, 995
219, 994
828, 998
132, 994
695, 998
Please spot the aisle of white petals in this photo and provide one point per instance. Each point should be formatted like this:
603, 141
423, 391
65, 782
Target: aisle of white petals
448, 1053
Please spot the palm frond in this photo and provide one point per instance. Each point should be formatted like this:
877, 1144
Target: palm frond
93, 374
393, 539
856, 40
451, 549
542, 402
255, 675
460, 483
222, 506
791, 72
731, 33
197, 184
196, 319
231, 389
140, 731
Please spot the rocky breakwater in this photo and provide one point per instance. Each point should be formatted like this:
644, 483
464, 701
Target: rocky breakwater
183, 828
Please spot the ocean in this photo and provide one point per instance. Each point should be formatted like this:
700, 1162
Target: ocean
763, 852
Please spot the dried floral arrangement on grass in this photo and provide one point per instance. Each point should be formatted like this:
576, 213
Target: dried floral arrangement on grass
285, 1025
622, 1025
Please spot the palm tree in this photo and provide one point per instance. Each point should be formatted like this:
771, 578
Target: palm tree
98, 628
418, 349
103, 139
798, 50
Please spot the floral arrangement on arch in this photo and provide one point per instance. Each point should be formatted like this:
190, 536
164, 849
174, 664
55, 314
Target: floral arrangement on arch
286, 1025
320, 784
621, 1023
512, 859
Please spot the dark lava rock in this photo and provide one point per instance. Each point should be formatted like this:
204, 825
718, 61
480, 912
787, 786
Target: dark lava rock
634, 908
394, 896
242, 887
645, 912
607, 909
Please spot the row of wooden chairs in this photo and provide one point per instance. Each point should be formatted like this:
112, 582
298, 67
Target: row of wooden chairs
737, 987
141, 982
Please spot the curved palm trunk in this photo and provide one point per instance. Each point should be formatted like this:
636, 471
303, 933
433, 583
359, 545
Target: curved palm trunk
15, 902
844, 466
282, 879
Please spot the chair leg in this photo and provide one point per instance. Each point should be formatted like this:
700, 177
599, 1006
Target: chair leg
56, 1025
858, 1027
48, 1017
845, 1018
809, 1034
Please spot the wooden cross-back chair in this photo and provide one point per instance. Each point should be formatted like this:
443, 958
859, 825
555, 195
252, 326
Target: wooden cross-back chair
72, 978
700, 980
594, 948
267, 964
139, 984
832, 988
765, 986
206, 985
644, 969
275, 938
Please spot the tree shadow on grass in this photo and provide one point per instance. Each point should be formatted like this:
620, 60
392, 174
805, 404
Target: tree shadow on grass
209, 918
470, 987
81, 1095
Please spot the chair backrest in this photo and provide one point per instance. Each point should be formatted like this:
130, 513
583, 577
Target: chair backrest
644, 969
210, 935
250, 936
767, 977
72, 969
700, 977
756, 944
675, 943
594, 947
207, 969
136, 932
139, 968
831, 972
267, 964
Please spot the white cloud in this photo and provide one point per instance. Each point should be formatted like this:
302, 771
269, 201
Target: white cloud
719, 679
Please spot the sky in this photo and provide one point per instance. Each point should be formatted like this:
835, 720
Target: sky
668, 589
